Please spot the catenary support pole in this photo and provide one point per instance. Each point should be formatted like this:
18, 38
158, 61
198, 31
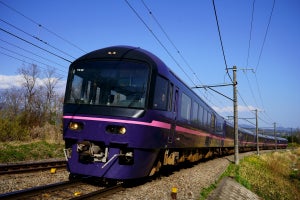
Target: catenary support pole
235, 114
256, 130
275, 136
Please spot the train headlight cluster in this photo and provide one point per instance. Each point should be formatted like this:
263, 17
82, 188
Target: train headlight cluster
116, 129
75, 126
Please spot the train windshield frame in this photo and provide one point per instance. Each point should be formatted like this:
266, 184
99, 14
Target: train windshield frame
109, 83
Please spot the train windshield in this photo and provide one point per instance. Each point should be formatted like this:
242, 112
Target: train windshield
110, 83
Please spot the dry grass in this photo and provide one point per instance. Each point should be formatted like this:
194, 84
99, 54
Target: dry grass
272, 175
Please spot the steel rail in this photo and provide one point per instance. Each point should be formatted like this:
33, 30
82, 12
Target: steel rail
26, 167
24, 194
101, 193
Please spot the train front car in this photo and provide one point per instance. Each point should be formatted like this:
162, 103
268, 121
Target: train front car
107, 130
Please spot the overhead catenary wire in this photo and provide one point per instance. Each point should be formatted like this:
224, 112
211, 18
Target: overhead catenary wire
169, 39
16, 46
158, 40
265, 36
23, 61
41, 26
29, 58
20, 38
37, 38
177, 50
221, 42
248, 55
250, 34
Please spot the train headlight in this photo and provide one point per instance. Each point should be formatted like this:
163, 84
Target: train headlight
114, 129
122, 130
75, 126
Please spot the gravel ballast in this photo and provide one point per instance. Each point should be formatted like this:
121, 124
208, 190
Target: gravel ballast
189, 181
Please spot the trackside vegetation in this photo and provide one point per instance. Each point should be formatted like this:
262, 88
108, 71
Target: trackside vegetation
13, 152
274, 175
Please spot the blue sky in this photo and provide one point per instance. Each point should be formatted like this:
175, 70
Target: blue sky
273, 89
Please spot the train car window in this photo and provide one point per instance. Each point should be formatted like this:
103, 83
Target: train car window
200, 115
213, 122
195, 112
208, 122
204, 117
160, 101
175, 110
219, 126
171, 86
109, 83
186, 104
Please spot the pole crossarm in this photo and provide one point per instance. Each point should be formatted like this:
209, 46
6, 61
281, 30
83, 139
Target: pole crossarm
211, 86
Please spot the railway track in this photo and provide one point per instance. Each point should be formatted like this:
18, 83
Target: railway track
28, 167
64, 190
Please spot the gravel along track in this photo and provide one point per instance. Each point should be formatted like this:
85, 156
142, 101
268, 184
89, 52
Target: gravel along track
189, 182
14, 182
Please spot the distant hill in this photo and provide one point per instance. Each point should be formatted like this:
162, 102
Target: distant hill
280, 131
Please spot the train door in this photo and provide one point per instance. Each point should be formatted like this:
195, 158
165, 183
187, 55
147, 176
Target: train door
174, 109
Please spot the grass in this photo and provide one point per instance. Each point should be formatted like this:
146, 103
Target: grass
16, 151
271, 176
206, 191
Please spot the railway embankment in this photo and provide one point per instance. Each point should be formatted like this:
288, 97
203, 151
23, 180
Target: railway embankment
272, 175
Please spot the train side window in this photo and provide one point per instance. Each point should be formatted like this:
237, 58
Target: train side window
195, 112
185, 111
160, 94
200, 115
208, 119
204, 117
176, 101
171, 86
213, 122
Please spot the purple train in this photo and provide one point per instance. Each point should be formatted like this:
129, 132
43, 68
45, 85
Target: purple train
126, 115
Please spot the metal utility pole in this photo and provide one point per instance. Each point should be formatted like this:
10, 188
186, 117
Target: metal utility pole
275, 136
235, 114
292, 138
256, 130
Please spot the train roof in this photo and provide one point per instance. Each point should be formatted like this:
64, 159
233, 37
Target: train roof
121, 52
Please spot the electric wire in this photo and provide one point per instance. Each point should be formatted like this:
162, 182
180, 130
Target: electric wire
178, 51
251, 90
16, 46
248, 54
34, 45
62, 75
265, 37
169, 39
221, 42
173, 44
37, 38
41, 26
29, 58
250, 35
158, 40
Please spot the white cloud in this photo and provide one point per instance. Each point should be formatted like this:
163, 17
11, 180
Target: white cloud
10, 81
7, 82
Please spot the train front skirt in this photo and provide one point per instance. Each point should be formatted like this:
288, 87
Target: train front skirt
112, 163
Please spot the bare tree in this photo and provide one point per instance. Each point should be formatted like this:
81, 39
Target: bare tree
30, 75
11, 102
50, 83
